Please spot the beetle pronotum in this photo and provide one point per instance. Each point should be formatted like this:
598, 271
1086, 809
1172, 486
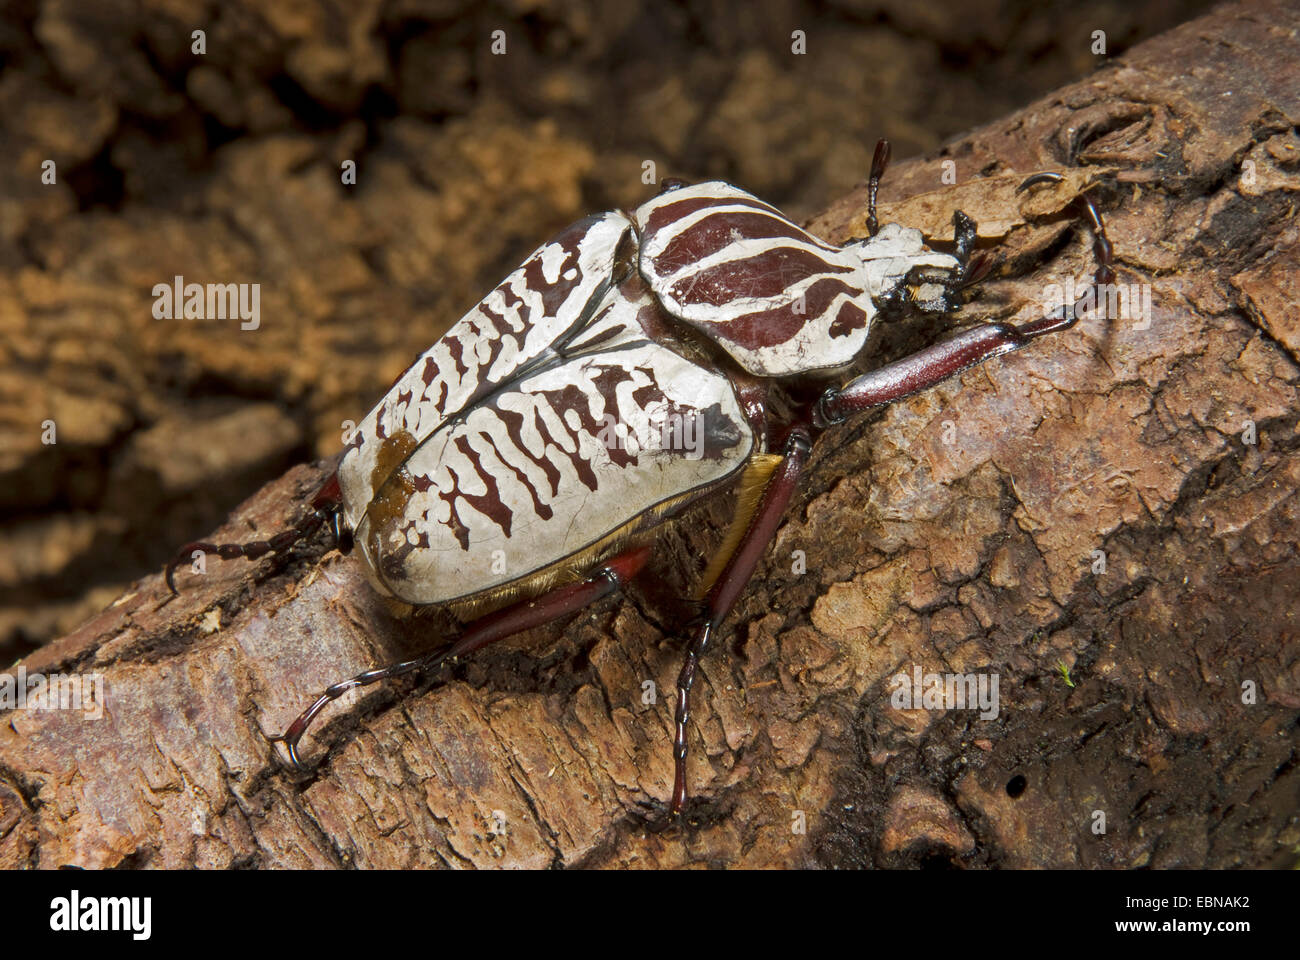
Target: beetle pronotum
704, 303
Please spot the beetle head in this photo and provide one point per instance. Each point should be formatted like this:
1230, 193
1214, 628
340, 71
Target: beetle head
896, 261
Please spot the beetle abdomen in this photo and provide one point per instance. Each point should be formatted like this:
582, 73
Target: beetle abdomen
596, 439
777, 299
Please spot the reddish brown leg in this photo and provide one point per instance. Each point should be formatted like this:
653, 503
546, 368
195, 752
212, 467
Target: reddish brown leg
729, 586
927, 368
325, 509
516, 618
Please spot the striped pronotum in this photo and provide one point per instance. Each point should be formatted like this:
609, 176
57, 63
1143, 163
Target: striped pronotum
777, 299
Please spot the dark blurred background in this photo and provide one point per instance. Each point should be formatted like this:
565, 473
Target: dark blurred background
225, 167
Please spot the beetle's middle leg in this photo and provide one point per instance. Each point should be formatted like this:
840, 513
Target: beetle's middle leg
612, 575
731, 583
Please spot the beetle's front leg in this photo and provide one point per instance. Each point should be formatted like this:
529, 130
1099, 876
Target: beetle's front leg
936, 289
935, 364
729, 586
926, 369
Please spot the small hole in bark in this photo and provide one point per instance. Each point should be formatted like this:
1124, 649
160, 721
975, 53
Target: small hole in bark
1016, 785
935, 860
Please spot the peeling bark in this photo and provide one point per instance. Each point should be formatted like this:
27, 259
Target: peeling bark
957, 531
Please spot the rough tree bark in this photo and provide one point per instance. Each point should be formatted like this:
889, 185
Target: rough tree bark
958, 531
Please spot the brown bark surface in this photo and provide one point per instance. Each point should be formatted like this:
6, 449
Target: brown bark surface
956, 531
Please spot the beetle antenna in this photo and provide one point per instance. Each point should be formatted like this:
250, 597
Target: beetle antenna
326, 509
879, 161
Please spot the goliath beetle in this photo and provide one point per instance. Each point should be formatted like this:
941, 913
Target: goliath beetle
704, 302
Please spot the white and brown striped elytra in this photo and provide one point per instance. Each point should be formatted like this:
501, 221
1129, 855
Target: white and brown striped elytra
586, 446
627, 369
520, 322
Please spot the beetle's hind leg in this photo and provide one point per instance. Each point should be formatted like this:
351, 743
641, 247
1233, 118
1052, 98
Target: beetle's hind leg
516, 618
326, 507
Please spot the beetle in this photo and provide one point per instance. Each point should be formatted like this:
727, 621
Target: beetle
530, 427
